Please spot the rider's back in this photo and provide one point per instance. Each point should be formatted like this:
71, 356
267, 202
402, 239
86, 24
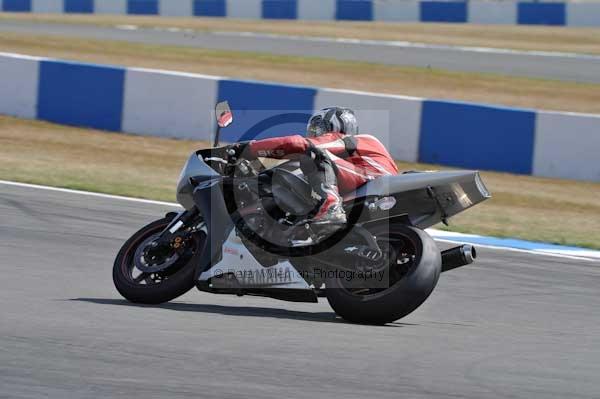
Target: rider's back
359, 158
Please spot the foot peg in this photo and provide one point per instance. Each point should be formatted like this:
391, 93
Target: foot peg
364, 252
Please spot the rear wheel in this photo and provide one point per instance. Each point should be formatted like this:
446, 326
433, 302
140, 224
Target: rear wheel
413, 265
165, 276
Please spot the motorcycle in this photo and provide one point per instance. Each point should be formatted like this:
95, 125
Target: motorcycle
243, 231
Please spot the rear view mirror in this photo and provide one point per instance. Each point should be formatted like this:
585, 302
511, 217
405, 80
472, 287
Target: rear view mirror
223, 114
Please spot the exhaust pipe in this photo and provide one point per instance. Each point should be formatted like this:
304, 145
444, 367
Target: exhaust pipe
457, 257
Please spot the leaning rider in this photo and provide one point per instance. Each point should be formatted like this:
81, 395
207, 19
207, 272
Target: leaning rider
338, 160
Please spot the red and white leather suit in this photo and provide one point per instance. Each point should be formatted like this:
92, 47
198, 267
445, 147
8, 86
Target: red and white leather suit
358, 158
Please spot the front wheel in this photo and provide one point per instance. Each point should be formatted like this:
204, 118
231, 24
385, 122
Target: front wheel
413, 264
175, 276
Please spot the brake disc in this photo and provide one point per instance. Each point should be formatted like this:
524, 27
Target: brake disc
156, 264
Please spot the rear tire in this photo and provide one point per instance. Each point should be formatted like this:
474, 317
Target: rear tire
401, 298
177, 284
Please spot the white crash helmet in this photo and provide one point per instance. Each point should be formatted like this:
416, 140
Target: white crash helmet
333, 119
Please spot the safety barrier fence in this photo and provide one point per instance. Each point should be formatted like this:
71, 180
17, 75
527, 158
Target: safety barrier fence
174, 104
474, 11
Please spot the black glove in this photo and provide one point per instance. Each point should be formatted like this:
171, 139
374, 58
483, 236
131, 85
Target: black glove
238, 150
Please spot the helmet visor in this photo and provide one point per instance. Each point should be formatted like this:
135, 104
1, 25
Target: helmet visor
317, 126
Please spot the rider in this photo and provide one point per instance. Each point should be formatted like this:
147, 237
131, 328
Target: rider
333, 148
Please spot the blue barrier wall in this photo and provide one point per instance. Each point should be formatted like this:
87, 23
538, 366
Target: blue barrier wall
81, 94
533, 13
354, 10
477, 136
16, 5
280, 9
79, 6
443, 11
468, 135
255, 102
210, 8
526, 12
142, 7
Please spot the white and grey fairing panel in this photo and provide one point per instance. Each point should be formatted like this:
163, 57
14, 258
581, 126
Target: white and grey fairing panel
238, 263
427, 198
194, 167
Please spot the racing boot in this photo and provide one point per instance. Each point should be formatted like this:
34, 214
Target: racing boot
320, 171
330, 210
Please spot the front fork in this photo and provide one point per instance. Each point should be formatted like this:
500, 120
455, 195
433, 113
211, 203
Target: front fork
208, 198
169, 238
180, 220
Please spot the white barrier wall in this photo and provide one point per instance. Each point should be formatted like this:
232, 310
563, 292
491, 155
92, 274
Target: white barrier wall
118, 7
316, 9
169, 104
386, 10
251, 9
19, 83
174, 104
523, 12
395, 120
567, 146
492, 12
47, 6
175, 8
583, 14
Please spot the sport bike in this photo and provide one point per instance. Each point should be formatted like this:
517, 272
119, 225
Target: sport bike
243, 230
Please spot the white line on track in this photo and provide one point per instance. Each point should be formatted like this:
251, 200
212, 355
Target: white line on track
89, 193
127, 27
146, 201
385, 43
406, 44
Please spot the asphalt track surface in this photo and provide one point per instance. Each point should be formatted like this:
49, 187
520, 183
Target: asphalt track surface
558, 66
512, 325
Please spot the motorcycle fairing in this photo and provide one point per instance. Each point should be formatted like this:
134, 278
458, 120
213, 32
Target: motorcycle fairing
224, 253
195, 167
238, 261
427, 198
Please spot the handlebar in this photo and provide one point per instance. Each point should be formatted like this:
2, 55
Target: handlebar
226, 162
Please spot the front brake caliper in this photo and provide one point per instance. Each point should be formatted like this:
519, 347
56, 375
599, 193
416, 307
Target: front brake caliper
177, 242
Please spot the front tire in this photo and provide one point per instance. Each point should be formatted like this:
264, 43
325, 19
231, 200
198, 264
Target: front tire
159, 288
403, 296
